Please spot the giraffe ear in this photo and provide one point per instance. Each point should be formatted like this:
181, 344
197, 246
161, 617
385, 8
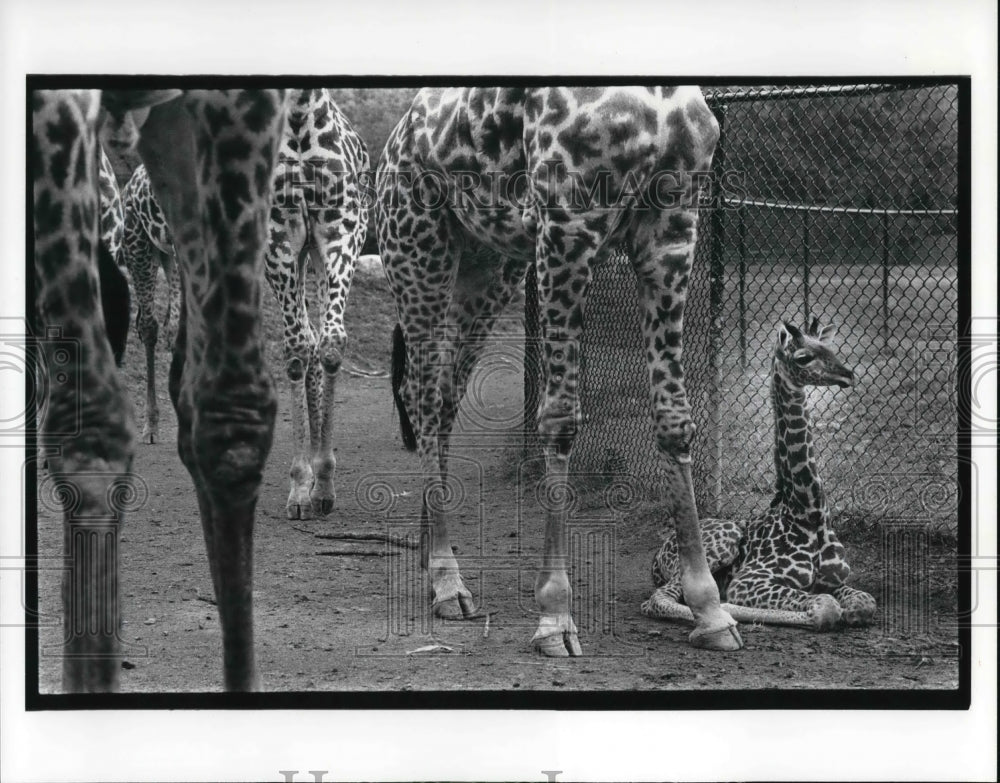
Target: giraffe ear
827, 333
787, 333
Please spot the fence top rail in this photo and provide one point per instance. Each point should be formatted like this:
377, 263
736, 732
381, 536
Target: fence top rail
848, 210
718, 98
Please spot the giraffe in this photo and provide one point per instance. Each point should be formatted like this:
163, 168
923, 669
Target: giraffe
318, 213
210, 155
115, 298
555, 177
149, 246
786, 567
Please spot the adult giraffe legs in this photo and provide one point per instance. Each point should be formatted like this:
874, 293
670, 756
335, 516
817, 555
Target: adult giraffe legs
473, 315
87, 410
662, 251
335, 254
563, 286
210, 157
286, 264
141, 256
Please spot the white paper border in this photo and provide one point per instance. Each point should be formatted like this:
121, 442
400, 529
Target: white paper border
539, 38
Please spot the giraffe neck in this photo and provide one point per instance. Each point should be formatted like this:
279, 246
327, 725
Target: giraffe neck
798, 487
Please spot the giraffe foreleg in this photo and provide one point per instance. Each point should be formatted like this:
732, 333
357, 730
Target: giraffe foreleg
858, 606
832, 571
662, 251
212, 154
758, 597
88, 416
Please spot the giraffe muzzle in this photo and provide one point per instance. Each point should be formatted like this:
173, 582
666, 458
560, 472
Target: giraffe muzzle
845, 380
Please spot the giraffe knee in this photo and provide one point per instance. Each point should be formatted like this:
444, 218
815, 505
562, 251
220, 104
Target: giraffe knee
558, 422
675, 435
296, 362
331, 353
824, 611
148, 328
232, 443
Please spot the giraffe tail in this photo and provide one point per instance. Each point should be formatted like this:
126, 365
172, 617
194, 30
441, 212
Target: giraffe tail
398, 376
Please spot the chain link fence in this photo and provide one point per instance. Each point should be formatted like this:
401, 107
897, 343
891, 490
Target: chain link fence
840, 202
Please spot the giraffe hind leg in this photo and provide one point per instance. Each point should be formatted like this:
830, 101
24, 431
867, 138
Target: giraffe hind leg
335, 253
286, 267
474, 312
662, 246
421, 266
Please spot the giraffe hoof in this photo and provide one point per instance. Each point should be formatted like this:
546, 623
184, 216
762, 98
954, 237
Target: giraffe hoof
149, 437
323, 506
299, 510
557, 637
565, 645
725, 639
457, 607
825, 613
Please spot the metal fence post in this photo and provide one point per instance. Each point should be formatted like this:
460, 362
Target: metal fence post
885, 278
532, 358
717, 284
742, 228
805, 263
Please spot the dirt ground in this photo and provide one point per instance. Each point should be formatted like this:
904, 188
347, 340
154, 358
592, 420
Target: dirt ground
359, 621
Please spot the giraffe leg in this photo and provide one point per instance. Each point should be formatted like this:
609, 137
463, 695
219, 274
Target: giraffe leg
141, 258
421, 267
336, 253
662, 252
91, 463
172, 318
721, 540
858, 606
563, 285
832, 572
474, 314
286, 265
211, 154
757, 596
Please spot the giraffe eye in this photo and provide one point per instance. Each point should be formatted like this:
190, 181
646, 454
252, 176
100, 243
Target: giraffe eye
803, 359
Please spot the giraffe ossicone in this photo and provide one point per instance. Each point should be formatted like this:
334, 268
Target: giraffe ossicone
786, 567
439, 167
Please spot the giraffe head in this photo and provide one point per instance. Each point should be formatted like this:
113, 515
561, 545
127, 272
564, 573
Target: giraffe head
805, 358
